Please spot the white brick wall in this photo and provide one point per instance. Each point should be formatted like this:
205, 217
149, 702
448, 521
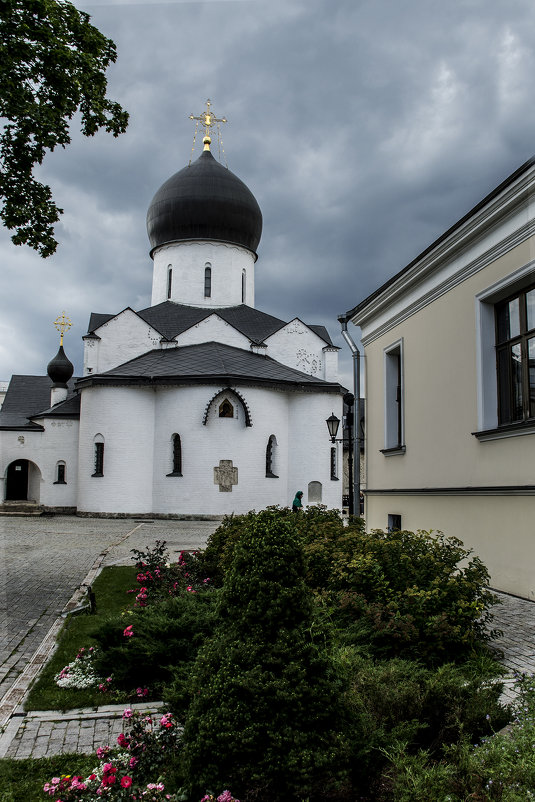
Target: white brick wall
188, 260
124, 416
216, 329
298, 347
59, 441
122, 338
138, 425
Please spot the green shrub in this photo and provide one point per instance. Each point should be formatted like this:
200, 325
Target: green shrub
265, 716
420, 595
166, 637
218, 553
401, 701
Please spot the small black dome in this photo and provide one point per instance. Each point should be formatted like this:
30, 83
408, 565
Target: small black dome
204, 201
60, 369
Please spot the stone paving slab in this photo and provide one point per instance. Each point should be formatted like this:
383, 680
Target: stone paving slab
515, 617
47, 733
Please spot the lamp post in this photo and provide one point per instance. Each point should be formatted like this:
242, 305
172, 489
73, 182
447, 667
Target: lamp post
332, 425
356, 386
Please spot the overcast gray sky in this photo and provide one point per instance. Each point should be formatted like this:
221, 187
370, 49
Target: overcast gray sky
364, 129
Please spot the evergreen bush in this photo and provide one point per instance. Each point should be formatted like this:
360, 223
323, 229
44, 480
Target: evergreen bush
265, 716
164, 641
420, 595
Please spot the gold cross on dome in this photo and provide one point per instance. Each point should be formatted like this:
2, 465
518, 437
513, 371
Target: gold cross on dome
63, 324
208, 119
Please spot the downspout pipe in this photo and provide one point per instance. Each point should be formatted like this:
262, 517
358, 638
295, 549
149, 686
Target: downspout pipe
356, 387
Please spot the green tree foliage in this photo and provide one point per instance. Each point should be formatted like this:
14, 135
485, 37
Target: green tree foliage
265, 715
52, 64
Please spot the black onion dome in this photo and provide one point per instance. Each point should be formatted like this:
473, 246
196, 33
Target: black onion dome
204, 201
60, 369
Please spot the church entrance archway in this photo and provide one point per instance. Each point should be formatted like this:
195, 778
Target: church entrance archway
17, 481
22, 481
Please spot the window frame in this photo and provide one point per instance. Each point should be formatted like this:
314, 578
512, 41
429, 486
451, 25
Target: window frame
486, 300
61, 473
394, 403
207, 280
169, 281
176, 455
99, 458
271, 448
504, 374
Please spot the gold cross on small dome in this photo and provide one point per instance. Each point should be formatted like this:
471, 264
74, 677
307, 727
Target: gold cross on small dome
63, 324
208, 119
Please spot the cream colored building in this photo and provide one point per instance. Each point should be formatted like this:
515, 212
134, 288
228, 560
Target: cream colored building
449, 346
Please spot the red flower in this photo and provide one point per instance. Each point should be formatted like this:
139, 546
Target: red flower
129, 631
126, 782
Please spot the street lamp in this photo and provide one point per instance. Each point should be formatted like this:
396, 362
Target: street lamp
332, 425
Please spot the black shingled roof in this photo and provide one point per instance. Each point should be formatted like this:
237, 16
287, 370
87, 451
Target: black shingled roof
171, 319
29, 397
208, 362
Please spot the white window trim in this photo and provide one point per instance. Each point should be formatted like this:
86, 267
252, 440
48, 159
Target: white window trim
487, 383
389, 426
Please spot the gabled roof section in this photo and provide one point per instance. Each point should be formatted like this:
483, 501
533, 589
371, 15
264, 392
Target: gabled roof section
322, 332
208, 362
70, 408
171, 319
96, 320
27, 397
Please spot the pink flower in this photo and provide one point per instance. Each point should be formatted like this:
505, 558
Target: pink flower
133, 762
102, 751
126, 782
129, 631
128, 713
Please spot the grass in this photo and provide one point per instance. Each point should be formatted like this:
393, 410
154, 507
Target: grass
110, 590
23, 780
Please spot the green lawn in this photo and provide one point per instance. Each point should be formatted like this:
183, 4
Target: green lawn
23, 780
110, 590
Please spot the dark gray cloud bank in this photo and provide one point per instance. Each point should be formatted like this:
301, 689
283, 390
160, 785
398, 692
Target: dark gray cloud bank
364, 129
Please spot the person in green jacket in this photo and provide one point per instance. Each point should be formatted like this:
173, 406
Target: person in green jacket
297, 503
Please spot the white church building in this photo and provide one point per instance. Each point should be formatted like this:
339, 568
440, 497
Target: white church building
200, 404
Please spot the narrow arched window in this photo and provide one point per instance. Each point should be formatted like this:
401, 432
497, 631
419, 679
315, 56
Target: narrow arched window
177, 456
99, 455
169, 281
208, 280
243, 286
226, 410
60, 473
334, 466
270, 457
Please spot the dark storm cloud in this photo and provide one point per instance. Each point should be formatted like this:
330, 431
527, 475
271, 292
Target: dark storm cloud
364, 129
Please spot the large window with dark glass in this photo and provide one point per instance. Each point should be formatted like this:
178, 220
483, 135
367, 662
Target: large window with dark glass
515, 355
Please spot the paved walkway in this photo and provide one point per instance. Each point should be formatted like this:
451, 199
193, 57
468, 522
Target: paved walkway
45, 561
